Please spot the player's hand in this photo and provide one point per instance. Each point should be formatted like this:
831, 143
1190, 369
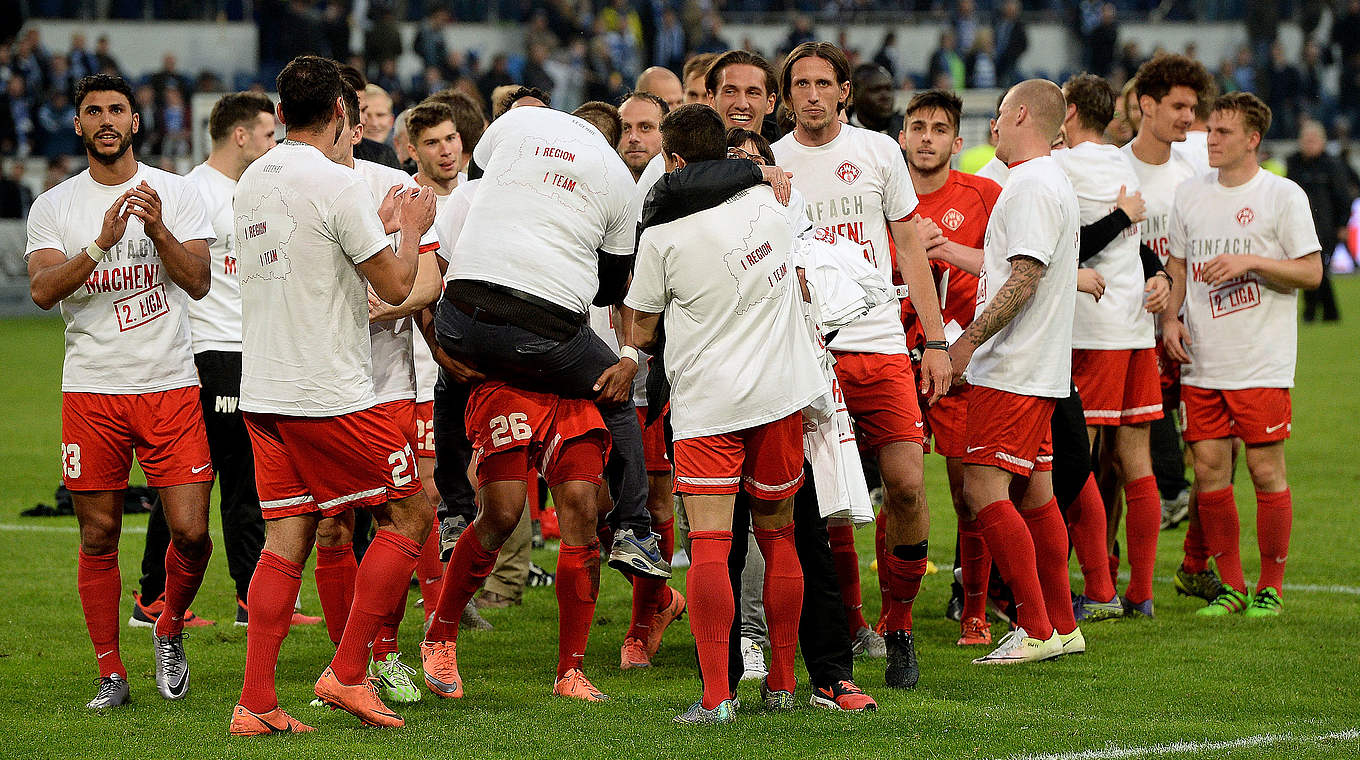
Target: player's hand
1156, 294
959, 356
115, 223
460, 372
780, 180
417, 212
1175, 340
144, 203
378, 309
1227, 266
615, 385
937, 374
1090, 281
387, 210
930, 233
1131, 204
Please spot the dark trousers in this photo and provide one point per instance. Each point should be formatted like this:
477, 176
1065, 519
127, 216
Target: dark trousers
1321, 297
1168, 460
1071, 450
453, 451
821, 629
566, 368
219, 372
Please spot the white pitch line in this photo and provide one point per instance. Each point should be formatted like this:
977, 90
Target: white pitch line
61, 528
1196, 747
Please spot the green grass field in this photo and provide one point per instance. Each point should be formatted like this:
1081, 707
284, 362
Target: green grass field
1286, 688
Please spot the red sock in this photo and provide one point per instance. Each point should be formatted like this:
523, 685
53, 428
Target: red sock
382, 582
783, 602
578, 588
1142, 522
182, 579
336, 568
1218, 519
904, 578
1088, 539
101, 586
1012, 550
429, 570
846, 561
1196, 550
273, 589
1049, 533
665, 533
646, 593
1112, 564
881, 548
386, 643
977, 568
711, 609
1274, 515
469, 565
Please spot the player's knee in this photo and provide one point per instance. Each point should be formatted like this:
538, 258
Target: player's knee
1267, 474
190, 543
495, 522
332, 532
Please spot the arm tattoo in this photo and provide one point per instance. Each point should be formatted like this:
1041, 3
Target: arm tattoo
1014, 294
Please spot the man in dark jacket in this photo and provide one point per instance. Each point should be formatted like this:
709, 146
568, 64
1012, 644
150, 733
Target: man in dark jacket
1323, 179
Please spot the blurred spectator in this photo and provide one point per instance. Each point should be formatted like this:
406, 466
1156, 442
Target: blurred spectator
946, 62
15, 196
107, 63
1226, 78
148, 137
382, 41
83, 62
207, 82
55, 117
30, 61
669, 46
169, 76
887, 56
1311, 88
429, 43
1103, 41
1329, 195
387, 78
17, 123
535, 74
872, 92
965, 24
568, 71
297, 29
1346, 44
1011, 43
538, 32
625, 52
981, 61
378, 122
58, 171
496, 76
800, 32
175, 124
1244, 73
1283, 92
711, 40
335, 29
1130, 57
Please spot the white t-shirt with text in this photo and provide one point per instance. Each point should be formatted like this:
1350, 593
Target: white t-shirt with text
215, 319
1159, 183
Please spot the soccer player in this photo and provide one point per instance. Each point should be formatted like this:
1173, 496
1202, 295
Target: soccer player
751, 435
433, 141
1114, 360
959, 206
1245, 240
857, 186
1017, 354
309, 237
663, 83
123, 248
641, 113
694, 76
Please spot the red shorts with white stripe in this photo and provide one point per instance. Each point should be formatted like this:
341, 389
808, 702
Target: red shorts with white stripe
1009, 431
425, 429
329, 464
100, 432
880, 394
654, 444
1256, 415
946, 422
767, 458
1118, 387
514, 431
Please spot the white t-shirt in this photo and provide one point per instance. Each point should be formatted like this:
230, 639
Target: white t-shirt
1243, 333
452, 217
1195, 148
127, 327
1159, 183
303, 223
215, 319
853, 186
1118, 320
738, 353
996, 171
555, 196
1036, 216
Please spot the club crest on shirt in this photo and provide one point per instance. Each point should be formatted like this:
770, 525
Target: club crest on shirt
847, 172
1245, 216
953, 219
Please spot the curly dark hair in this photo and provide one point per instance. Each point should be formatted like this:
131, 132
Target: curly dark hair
1167, 70
103, 83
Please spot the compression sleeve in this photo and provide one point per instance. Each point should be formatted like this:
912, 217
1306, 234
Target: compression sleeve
1100, 233
1152, 263
613, 271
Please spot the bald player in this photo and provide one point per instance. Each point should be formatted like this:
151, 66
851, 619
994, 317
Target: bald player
1018, 356
663, 83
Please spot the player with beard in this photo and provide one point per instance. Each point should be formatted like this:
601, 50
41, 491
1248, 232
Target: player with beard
957, 207
857, 186
873, 94
123, 247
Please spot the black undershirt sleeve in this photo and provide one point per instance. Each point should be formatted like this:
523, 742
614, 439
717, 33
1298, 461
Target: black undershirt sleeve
1152, 263
613, 271
1100, 233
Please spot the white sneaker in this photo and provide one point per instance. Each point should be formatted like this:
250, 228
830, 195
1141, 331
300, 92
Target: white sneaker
752, 660
1073, 643
679, 559
1018, 646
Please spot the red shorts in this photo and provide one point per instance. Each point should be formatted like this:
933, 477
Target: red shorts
1118, 387
654, 444
946, 422
880, 394
100, 432
1009, 431
1169, 373
769, 458
1256, 415
403, 414
329, 464
425, 429
514, 431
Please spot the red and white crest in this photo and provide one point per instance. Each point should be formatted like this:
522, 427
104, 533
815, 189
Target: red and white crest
1245, 216
848, 173
953, 219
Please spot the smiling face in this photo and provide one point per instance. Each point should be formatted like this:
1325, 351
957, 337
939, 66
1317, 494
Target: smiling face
106, 123
930, 140
1169, 118
741, 98
814, 93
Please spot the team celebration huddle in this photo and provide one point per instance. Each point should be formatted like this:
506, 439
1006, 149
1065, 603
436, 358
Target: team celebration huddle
714, 316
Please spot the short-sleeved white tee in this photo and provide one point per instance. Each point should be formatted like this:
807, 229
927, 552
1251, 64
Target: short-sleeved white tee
1159, 183
1037, 217
996, 171
1243, 333
427, 370
852, 187
738, 354
1118, 320
303, 223
215, 319
554, 197
1195, 149
127, 327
